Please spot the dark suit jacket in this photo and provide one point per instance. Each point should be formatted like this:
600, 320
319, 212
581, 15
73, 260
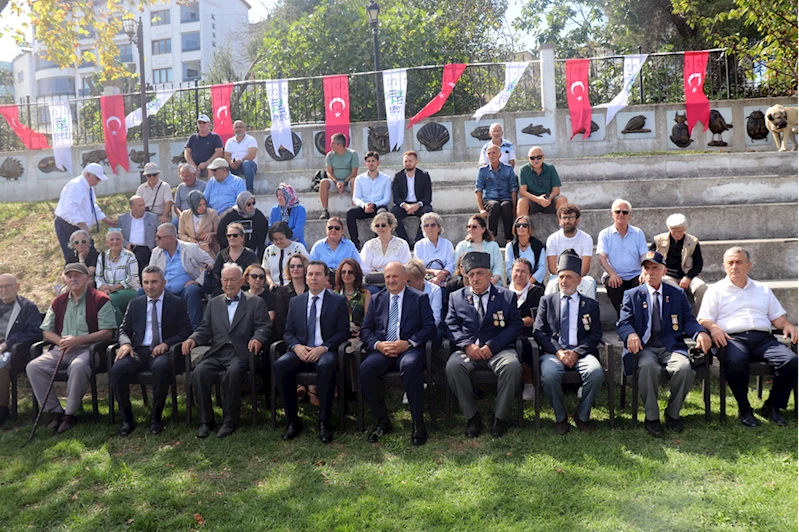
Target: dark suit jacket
334, 321
175, 324
463, 326
417, 323
250, 322
675, 309
23, 323
547, 325
150, 226
423, 187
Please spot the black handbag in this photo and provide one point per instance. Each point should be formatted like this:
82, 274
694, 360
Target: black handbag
697, 358
211, 282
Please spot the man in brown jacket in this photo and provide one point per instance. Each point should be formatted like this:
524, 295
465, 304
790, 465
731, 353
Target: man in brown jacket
683, 259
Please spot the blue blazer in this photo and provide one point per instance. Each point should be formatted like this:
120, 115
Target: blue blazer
417, 323
175, 324
675, 310
334, 321
23, 323
464, 327
547, 325
297, 217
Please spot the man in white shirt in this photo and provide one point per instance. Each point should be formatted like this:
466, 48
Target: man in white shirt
371, 195
138, 231
157, 194
569, 237
77, 207
240, 153
739, 313
507, 150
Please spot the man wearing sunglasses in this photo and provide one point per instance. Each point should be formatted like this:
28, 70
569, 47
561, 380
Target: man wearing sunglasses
203, 146
221, 191
621, 249
156, 194
539, 185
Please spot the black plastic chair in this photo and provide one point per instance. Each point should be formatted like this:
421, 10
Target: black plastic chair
20, 356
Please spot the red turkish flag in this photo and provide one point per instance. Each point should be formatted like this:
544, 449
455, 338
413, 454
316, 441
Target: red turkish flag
577, 94
337, 107
452, 73
116, 135
31, 139
696, 104
220, 101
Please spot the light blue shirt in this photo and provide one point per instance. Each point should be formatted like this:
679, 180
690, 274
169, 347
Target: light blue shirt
492, 248
345, 250
624, 254
368, 190
496, 185
434, 294
427, 252
222, 196
175, 275
540, 269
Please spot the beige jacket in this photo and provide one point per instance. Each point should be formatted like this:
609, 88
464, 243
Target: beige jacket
688, 247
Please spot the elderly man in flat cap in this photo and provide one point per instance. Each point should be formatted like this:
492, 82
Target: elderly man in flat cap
483, 322
568, 330
75, 320
683, 259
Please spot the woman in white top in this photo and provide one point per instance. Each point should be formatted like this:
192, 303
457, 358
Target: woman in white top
378, 252
278, 253
479, 238
434, 250
117, 273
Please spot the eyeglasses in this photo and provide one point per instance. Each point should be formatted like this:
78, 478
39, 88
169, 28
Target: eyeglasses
380, 226
250, 203
234, 235
334, 228
259, 276
536, 157
474, 227
427, 226
76, 242
347, 272
150, 175
525, 225
618, 211
296, 266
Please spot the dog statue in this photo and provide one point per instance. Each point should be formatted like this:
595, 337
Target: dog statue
782, 121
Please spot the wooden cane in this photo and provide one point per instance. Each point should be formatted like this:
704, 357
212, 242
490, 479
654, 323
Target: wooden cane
46, 396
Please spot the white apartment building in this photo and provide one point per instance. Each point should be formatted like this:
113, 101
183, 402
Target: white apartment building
180, 40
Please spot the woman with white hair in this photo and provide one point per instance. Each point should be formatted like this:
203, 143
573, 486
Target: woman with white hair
117, 273
83, 251
435, 251
378, 252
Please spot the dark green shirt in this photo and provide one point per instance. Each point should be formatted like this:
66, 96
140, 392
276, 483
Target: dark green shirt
542, 183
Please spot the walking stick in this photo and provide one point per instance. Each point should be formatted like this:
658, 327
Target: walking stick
46, 396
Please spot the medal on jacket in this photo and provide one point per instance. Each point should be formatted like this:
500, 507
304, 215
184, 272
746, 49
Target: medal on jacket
675, 322
645, 305
501, 317
587, 322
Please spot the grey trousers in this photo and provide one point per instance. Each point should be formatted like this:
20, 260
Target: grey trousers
681, 377
552, 370
41, 369
506, 367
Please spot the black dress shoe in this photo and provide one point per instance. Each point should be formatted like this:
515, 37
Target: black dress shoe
773, 415
156, 427
126, 428
55, 420
654, 428
293, 429
4, 413
582, 426
748, 420
474, 426
562, 427
205, 430
676, 425
325, 433
419, 434
498, 428
381, 427
226, 430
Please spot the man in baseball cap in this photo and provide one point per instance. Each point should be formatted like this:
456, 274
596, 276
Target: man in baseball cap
203, 146
221, 191
157, 194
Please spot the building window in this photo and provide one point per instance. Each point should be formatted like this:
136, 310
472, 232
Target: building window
54, 86
191, 41
162, 46
20, 76
42, 63
190, 13
126, 53
191, 71
162, 75
86, 89
160, 18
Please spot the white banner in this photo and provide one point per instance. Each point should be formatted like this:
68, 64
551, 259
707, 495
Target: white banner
61, 126
134, 117
632, 65
278, 94
395, 85
513, 73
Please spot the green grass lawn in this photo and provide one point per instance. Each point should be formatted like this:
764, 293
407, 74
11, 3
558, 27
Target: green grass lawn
711, 477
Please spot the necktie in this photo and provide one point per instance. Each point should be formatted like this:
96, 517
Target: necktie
564, 322
312, 323
94, 211
155, 328
393, 319
481, 313
657, 323
280, 266
229, 301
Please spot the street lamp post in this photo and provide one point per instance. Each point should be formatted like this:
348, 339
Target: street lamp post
135, 33
372, 12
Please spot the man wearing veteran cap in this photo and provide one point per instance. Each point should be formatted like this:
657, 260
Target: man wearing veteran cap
75, 320
483, 322
221, 191
654, 319
156, 193
683, 259
568, 329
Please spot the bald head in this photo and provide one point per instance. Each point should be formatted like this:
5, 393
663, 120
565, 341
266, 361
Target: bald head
395, 277
9, 288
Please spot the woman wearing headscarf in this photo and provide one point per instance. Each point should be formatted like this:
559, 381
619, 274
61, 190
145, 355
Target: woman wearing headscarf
254, 222
289, 210
198, 224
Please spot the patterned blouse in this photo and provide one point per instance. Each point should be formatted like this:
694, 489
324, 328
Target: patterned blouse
124, 271
374, 260
356, 304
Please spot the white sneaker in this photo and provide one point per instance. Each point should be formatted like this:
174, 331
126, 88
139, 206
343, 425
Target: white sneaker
580, 392
528, 394
405, 396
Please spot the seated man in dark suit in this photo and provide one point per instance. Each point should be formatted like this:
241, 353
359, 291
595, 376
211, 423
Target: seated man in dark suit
318, 322
483, 321
653, 321
398, 323
412, 191
234, 324
567, 330
152, 323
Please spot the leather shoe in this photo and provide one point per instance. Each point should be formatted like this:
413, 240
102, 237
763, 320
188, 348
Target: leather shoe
55, 421
293, 429
474, 426
4, 413
676, 425
654, 428
325, 433
498, 428
562, 427
773, 415
226, 430
419, 434
582, 426
205, 430
382, 427
67, 423
126, 428
156, 427
748, 420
